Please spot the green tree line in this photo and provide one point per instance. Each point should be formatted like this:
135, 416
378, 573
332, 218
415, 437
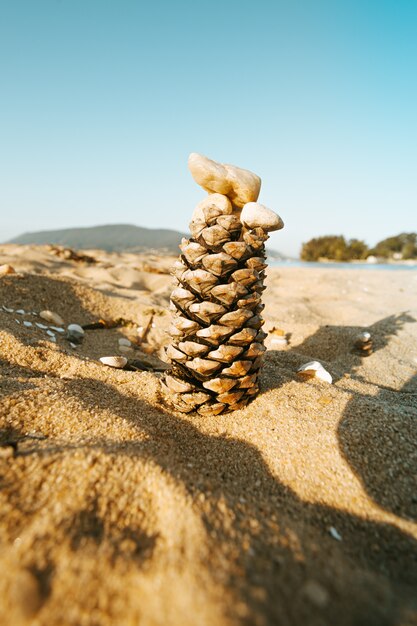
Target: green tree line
337, 248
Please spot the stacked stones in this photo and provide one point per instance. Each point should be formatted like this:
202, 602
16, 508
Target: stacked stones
217, 337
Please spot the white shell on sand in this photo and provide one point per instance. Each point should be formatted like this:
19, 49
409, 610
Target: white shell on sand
114, 361
20, 311
52, 317
256, 215
75, 331
124, 342
39, 325
6, 269
240, 185
27, 324
314, 369
50, 333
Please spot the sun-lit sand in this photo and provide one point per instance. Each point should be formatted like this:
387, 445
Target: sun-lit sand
299, 509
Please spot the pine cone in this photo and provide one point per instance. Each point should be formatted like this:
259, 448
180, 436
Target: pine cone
217, 337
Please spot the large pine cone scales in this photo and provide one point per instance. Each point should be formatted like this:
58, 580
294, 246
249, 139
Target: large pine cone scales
217, 337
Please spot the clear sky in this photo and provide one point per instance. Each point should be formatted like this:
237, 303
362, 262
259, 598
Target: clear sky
101, 102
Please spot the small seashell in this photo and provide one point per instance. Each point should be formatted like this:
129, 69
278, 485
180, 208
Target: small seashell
20, 311
52, 317
27, 324
256, 215
58, 329
73, 345
279, 342
6, 269
114, 361
124, 342
42, 326
75, 332
17, 321
363, 343
335, 534
314, 369
50, 333
7, 309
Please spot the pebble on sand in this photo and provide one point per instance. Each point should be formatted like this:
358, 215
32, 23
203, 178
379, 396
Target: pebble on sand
314, 369
114, 361
75, 332
51, 316
6, 269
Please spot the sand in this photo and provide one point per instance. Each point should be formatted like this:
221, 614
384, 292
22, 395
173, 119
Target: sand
299, 509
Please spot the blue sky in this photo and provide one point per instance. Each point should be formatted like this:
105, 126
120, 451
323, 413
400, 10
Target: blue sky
103, 100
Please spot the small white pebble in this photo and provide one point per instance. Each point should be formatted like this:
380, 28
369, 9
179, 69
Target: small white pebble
114, 361
17, 321
279, 341
20, 311
39, 325
28, 324
314, 369
58, 329
73, 345
124, 342
52, 317
335, 534
7, 309
75, 331
50, 333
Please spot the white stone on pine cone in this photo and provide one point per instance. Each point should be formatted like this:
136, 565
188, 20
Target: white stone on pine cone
256, 215
239, 185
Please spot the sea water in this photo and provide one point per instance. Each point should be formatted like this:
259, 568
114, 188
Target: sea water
345, 266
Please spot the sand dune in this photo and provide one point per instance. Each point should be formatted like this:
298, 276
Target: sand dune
299, 509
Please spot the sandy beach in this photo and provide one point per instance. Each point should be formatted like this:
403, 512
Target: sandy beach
115, 510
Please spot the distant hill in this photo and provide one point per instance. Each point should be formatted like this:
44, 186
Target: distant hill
114, 238
111, 237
